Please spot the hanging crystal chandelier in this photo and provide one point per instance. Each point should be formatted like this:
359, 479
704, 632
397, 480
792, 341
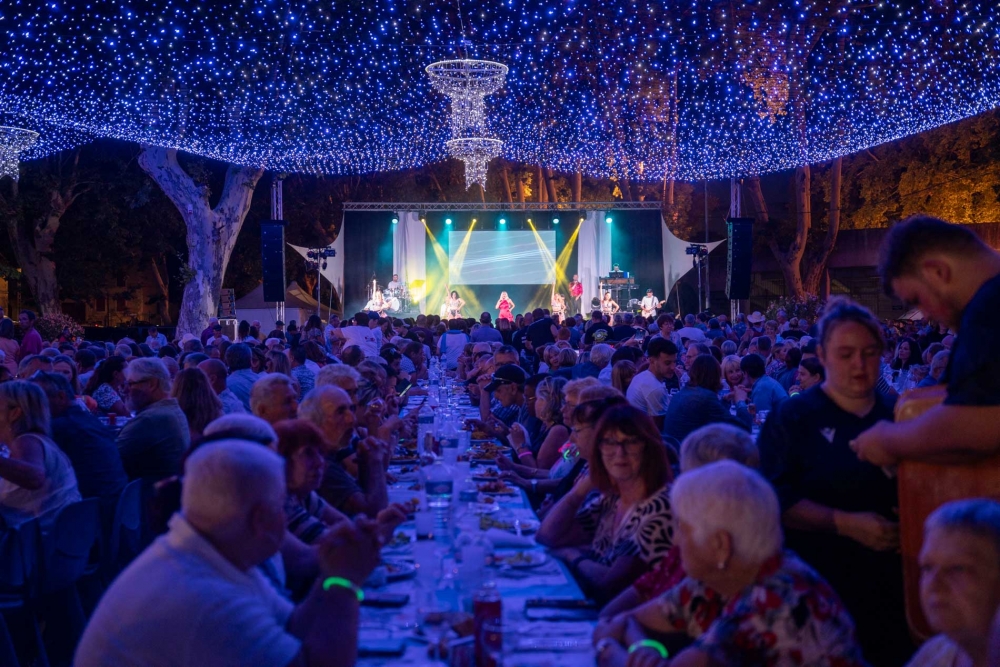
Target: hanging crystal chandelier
467, 83
13, 142
476, 153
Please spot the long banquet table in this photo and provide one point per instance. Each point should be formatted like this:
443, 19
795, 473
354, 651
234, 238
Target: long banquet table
542, 643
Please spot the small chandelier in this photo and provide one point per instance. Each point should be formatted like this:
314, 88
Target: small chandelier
13, 142
476, 153
467, 83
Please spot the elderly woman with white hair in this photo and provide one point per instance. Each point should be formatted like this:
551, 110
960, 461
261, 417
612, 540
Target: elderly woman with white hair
960, 583
744, 600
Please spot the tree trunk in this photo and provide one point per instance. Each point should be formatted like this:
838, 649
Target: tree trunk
520, 186
164, 285
817, 264
32, 240
543, 195
626, 188
211, 232
578, 186
505, 172
550, 185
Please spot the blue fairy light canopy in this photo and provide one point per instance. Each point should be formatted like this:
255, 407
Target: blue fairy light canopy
639, 89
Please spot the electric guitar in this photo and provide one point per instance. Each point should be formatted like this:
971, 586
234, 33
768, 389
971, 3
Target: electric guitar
651, 312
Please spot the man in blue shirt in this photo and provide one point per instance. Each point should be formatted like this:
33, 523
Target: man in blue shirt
765, 392
241, 376
485, 333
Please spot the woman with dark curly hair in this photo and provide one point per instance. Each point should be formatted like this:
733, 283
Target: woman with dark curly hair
106, 386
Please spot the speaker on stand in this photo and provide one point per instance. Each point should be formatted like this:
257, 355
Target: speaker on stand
272, 251
739, 258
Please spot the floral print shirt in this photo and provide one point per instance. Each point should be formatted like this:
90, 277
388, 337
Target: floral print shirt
788, 617
645, 531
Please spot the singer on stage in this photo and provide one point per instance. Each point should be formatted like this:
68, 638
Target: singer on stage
453, 305
505, 305
558, 305
608, 305
576, 293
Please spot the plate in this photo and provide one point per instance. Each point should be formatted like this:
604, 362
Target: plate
528, 526
397, 570
504, 491
522, 560
478, 476
484, 508
395, 461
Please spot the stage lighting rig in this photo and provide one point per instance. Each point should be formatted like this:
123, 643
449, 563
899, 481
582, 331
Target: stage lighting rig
696, 250
316, 258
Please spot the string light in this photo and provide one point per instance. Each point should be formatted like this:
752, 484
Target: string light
13, 142
614, 89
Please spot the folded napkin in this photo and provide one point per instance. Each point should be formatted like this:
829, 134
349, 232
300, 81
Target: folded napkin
501, 539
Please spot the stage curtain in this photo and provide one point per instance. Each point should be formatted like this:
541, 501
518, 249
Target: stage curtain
676, 261
409, 248
593, 255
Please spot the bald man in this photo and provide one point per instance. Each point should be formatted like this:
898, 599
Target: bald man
217, 373
332, 410
196, 595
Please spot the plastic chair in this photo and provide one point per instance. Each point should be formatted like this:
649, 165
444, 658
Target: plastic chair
126, 532
66, 554
19, 558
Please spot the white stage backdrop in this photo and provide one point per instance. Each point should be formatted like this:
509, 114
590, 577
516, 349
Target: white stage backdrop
676, 261
593, 255
409, 248
334, 271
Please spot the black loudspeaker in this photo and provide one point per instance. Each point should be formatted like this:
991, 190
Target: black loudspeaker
272, 251
740, 235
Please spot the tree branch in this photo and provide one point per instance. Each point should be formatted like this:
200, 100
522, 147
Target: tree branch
162, 166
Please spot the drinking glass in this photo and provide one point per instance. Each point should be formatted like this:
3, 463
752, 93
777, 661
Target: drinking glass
499, 638
433, 616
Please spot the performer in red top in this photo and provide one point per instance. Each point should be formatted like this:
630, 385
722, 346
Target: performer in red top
505, 305
576, 292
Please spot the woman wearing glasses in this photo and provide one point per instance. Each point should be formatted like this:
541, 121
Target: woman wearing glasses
615, 523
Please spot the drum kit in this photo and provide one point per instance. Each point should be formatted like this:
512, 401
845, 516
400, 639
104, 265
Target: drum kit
385, 300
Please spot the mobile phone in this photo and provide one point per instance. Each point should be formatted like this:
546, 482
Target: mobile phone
385, 600
639, 334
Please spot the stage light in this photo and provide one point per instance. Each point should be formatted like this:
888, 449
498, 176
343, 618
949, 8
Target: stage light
395, 221
447, 221
555, 221
581, 220
529, 221
608, 219
503, 221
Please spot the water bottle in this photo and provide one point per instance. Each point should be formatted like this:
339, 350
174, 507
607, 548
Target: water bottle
425, 425
439, 484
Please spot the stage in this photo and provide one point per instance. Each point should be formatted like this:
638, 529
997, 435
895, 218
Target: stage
480, 251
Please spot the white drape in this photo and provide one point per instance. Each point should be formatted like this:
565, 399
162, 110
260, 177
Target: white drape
676, 261
593, 258
334, 271
409, 250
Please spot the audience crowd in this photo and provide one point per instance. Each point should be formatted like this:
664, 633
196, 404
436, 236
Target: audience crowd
712, 484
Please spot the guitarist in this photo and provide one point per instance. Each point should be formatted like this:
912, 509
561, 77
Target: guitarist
649, 304
954, 278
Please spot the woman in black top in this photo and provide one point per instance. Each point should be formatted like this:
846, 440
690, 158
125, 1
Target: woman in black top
839, 512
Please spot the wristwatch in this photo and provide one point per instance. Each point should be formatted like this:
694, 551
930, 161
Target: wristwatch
602, 645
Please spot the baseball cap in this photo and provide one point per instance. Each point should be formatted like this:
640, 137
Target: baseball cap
507, 374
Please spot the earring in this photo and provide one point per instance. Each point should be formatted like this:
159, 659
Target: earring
721, 566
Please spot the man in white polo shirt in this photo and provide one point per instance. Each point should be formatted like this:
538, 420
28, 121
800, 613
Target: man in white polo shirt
647, 390
360, 334
196, 596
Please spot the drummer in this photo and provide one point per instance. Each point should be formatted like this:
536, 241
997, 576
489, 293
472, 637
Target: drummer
394, 285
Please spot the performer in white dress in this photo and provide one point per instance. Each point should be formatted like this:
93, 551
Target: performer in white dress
454, 305
608, 305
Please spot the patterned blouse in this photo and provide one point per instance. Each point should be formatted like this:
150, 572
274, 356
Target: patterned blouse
106, 397
789, 616
645, 531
